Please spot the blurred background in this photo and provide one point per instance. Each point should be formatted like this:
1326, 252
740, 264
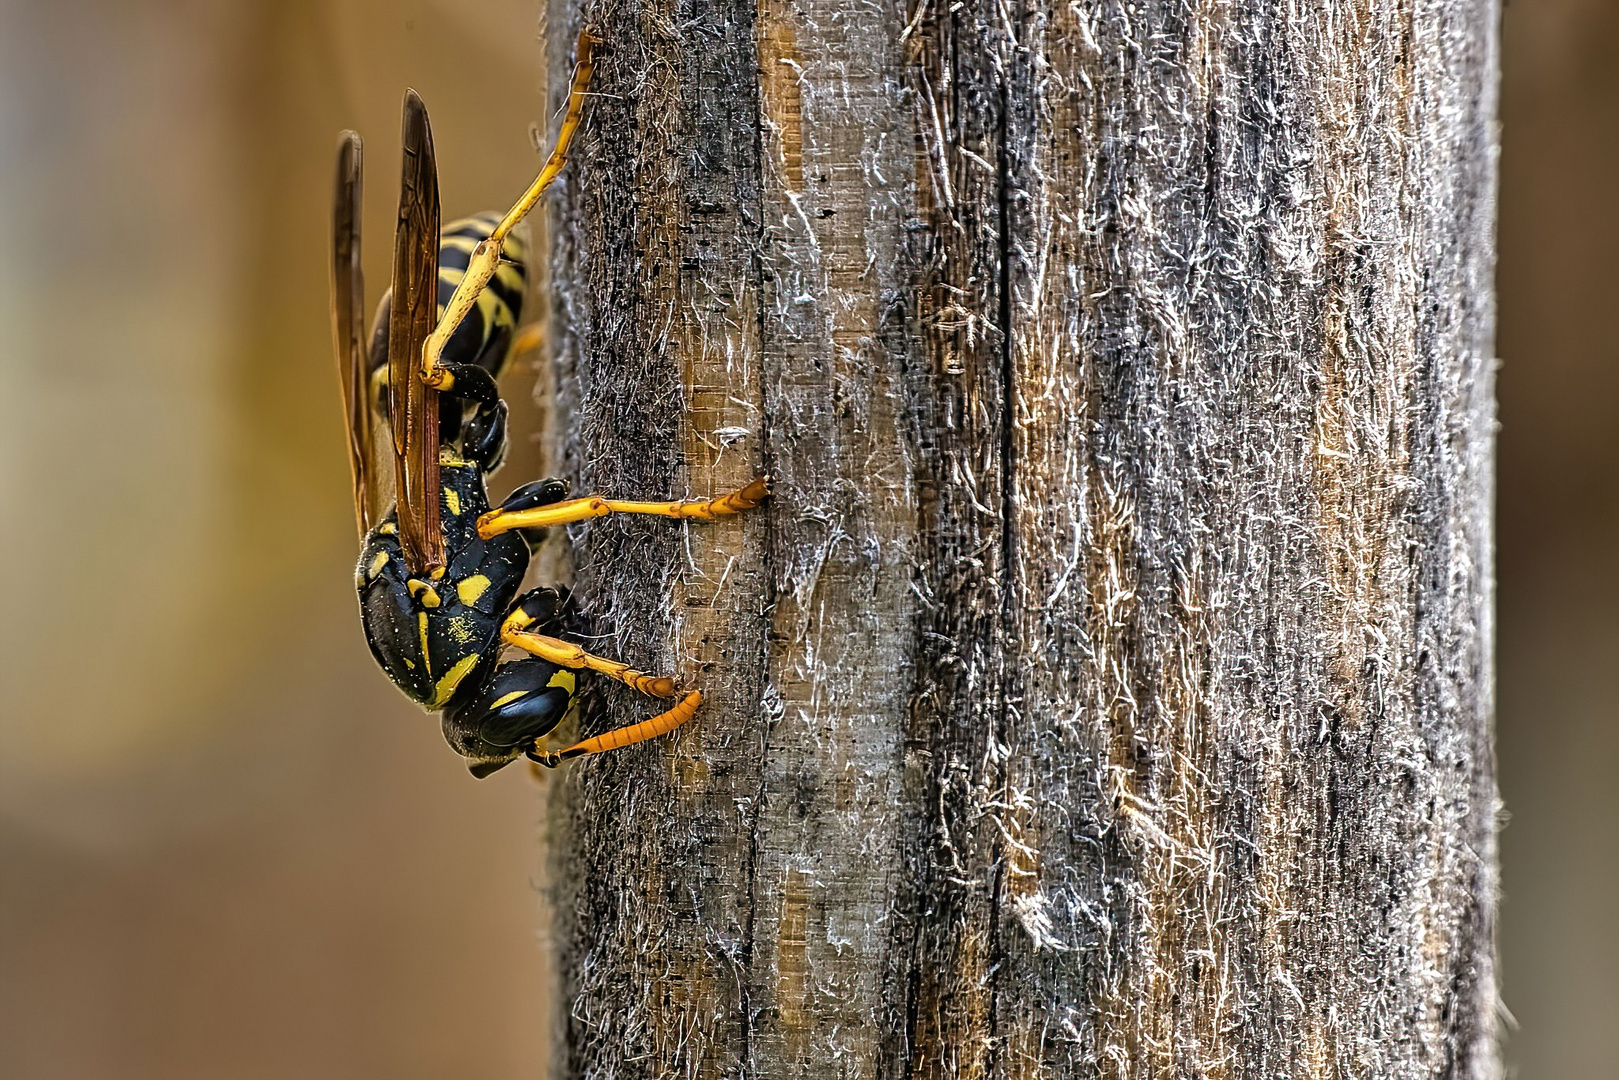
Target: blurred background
227, 846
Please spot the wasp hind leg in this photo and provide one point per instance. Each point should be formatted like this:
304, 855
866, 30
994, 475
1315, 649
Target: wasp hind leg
484, 258
483, 441
530, 611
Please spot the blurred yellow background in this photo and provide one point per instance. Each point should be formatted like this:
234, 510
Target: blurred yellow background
227, 846
1557, 721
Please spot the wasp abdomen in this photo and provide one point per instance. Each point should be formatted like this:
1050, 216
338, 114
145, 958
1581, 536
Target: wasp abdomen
485, 335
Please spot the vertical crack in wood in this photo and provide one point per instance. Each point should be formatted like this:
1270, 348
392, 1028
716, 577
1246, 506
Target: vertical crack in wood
1006, 48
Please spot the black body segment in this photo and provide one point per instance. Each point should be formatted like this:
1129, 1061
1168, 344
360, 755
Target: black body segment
434, 633
523, 702
438, 635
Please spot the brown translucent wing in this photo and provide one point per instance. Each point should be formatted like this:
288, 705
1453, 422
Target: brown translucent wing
413, 407
348, 302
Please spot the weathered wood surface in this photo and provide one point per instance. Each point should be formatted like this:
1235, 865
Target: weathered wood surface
1106, 690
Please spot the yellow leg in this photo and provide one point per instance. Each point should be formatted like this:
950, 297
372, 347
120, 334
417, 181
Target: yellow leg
566, 654
485, 257
499, 521
661, 724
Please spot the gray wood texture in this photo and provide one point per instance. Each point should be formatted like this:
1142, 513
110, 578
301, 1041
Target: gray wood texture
1106, 690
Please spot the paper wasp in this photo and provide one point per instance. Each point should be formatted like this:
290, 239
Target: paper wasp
440, 570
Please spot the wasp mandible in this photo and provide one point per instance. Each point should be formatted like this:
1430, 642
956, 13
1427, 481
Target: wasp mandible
440, 570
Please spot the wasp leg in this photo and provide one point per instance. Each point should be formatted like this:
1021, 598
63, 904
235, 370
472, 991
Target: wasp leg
534, 494
485, 257
474, 384
539, 606
628, 735
484, 441
567, 654
507, 517
539, 609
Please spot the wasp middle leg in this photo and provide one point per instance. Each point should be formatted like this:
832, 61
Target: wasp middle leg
513, 514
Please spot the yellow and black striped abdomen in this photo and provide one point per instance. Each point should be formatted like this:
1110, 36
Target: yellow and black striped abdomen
485, 335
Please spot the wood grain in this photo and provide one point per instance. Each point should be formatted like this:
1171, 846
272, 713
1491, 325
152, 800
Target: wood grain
1106, 690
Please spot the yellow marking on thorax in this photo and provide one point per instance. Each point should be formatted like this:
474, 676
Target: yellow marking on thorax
424, 593
507, 699
421, 625
564, 679
378, 561
453, 501
472, 588
452, 678
387, 528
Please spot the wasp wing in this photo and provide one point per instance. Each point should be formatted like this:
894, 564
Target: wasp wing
348, 302
412, 405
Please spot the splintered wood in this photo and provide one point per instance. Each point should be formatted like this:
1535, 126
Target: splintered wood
1106, 689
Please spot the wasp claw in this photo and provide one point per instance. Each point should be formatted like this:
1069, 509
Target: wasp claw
550, 761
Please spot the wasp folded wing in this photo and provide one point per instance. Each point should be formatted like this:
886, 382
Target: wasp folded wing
348, 302
413, 406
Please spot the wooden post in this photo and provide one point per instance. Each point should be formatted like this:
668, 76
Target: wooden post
1106, 690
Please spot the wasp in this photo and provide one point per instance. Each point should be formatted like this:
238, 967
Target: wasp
440, 569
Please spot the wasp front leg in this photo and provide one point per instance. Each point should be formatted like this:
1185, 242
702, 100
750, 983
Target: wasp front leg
517, 631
